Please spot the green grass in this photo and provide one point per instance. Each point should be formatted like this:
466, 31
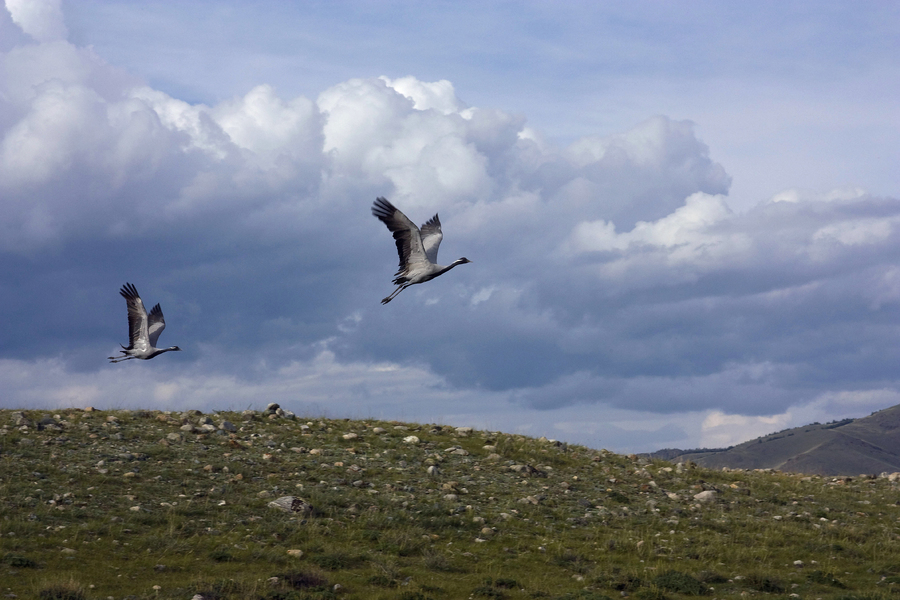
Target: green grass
98, 509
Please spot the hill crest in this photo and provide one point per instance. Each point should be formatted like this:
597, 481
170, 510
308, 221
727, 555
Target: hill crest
868, 445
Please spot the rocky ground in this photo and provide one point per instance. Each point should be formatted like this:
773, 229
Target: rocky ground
146, 504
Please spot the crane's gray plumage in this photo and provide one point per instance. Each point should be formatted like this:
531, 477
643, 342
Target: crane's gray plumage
143, 328
418, 248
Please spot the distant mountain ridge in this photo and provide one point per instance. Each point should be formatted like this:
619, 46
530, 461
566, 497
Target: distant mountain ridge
868, 445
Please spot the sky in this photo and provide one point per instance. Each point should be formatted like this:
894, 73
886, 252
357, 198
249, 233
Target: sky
683, 218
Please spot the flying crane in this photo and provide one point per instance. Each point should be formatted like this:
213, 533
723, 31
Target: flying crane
143, 329
417, 247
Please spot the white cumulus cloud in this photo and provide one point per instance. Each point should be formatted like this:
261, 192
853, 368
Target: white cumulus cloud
41, 19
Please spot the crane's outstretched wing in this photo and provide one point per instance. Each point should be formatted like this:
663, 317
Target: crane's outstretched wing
406, 234
138, 335
431, 236
155, 324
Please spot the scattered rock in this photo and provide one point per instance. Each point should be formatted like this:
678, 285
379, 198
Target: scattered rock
291, 504
528, 471
706, 496
47, 423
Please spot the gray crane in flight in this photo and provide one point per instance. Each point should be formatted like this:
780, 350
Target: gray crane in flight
143, 328
417, 247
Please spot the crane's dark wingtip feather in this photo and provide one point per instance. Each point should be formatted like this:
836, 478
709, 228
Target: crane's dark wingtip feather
129, 292
382, 209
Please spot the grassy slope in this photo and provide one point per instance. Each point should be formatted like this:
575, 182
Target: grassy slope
867, 445
98, 507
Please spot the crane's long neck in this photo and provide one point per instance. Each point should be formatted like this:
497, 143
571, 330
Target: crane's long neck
458, 261
161, 350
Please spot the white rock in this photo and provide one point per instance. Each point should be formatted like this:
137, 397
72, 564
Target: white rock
707, 496
291, 504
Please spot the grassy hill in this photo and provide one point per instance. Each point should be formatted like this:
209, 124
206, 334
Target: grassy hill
149, 505
849, 447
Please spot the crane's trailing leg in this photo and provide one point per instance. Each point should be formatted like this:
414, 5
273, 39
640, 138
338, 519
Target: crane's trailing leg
397, 291
113, 359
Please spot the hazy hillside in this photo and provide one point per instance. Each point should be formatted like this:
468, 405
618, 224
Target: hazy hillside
142, 505
849, 447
